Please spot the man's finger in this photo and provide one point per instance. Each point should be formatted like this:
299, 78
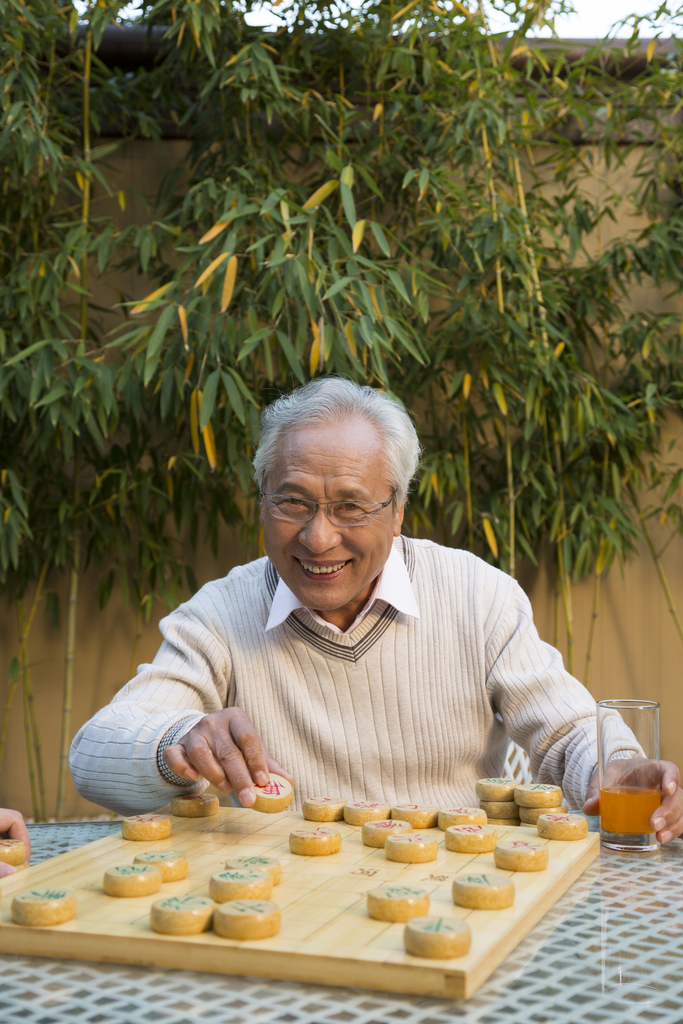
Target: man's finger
669, 812
672, 831
175, 758
671, 778
207, 761
249, 742
236, 770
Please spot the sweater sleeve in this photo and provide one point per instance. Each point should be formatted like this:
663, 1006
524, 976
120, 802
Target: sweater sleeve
544, 709
114, 756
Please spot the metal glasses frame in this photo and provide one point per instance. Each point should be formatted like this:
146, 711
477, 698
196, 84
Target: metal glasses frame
378, 506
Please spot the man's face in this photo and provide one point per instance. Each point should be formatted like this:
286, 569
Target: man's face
342, 461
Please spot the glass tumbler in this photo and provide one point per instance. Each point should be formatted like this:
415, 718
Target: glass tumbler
628, 752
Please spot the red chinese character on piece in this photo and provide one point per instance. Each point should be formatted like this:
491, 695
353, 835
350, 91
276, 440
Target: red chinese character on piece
519, 842
385, 824
471, 828
460, 810
407, 807
272, 789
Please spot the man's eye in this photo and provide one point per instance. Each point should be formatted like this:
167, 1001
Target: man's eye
294, 502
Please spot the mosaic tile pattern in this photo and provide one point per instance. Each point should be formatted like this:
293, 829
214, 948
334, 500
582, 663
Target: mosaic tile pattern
609, 952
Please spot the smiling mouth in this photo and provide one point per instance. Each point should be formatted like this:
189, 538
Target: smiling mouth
322, 570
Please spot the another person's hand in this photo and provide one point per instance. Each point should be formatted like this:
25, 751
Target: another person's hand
225, 749
12, 827
667, 820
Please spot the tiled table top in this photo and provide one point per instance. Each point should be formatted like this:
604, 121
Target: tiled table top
609, 952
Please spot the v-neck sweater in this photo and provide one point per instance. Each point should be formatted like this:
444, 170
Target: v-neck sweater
401, 710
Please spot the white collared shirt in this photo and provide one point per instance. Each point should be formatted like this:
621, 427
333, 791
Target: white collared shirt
393, 586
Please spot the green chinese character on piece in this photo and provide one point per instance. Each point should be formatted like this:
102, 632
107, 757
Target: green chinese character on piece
477, 880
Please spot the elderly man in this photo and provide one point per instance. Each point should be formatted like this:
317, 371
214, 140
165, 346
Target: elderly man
365, 664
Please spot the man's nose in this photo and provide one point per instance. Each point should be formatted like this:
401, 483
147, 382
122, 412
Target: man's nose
319, 534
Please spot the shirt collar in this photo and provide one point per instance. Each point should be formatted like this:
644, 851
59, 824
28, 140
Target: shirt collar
393, 586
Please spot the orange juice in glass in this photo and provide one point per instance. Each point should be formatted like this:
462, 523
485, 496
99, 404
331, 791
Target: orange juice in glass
628, 752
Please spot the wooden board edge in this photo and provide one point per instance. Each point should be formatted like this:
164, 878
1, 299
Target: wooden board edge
239, 961
475, 977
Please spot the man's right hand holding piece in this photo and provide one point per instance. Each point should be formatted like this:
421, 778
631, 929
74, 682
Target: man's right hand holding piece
225, 749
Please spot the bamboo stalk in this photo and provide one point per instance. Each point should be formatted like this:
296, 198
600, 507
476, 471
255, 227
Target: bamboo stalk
136, 643
511, 497
5, 718
87, 154
563, 579
29, 708
29, 758
657, 558
67, 702
468, 485
591, 633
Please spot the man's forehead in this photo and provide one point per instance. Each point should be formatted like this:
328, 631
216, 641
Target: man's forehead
348, 456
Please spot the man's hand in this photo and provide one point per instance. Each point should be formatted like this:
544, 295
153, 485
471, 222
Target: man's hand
667, 820
12, 827
225, 749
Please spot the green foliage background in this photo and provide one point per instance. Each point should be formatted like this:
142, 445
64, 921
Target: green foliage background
387, 193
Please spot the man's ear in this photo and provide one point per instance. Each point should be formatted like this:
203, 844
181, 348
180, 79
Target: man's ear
398, 518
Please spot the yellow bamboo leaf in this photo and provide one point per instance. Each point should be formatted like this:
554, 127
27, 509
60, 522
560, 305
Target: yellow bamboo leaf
169, 487
110, 511
485, 379
284, 211
181, 34
435, 482
3, 477
193, 421
157, 293
347, 176
499, 396
320, 194
75, 267
559, 349
188, 368
378, 111
121, 196
491, 537
81, 180
212, 232
206, 276
315, 355
357, 235
602, 556
210, 445
315, 348
375, 303
466, 385
229, 283
171, 462
651, 50
182, 316
348, 331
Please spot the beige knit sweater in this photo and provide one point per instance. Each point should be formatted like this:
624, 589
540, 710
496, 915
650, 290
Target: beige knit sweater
401, 709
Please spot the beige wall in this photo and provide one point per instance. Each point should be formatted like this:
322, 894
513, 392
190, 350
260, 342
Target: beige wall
637, 650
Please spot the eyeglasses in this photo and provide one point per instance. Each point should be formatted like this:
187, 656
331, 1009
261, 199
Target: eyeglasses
340, 513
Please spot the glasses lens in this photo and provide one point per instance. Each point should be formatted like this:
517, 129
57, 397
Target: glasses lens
296, 510
351, 513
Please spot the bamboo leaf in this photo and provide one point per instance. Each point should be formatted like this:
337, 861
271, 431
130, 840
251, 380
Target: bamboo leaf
182, 316
320, 195
491, 537
214, 231
209, 445
380, 238
156, 341
234, 397
350, 337
357, 235
194, 433
208, 399
206, 275
229, 283
335, 288
499, 396
141, 306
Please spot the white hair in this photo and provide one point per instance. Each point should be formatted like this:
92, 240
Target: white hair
334, 399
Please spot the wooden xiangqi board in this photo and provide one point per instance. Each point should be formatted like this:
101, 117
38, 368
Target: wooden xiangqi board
326, 937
